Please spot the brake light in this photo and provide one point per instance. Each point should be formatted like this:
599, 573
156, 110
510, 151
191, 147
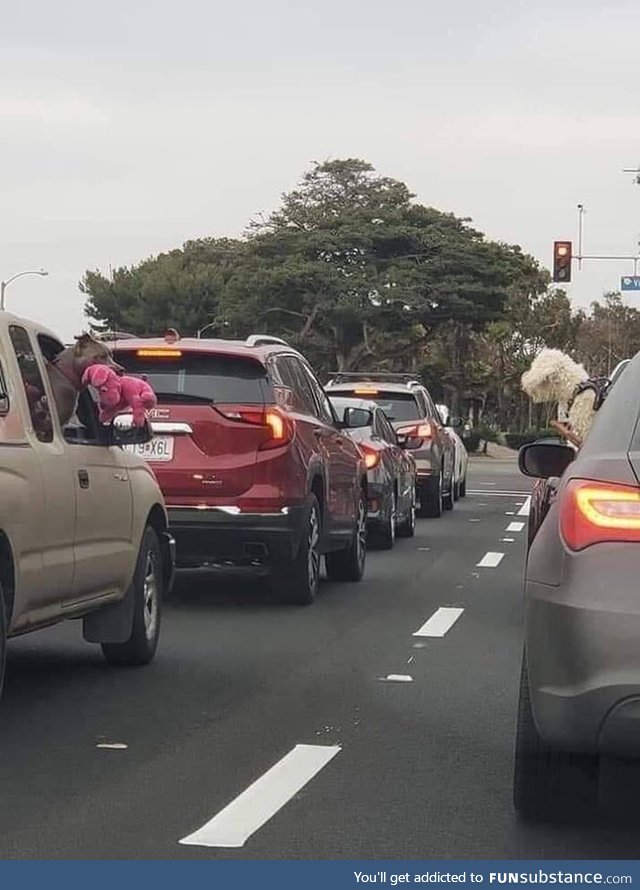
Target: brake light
416, 431
595, 512
365, 391
371, 457
159, 353
277, 425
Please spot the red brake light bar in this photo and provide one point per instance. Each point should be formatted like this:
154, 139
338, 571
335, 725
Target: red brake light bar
594, 512
159, 353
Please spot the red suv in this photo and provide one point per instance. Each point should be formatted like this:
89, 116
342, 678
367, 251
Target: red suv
252, 461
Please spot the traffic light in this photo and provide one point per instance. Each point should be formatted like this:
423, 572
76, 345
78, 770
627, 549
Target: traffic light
562, 261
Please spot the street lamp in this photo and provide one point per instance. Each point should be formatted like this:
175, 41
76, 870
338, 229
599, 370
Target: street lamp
201, 331
5, 284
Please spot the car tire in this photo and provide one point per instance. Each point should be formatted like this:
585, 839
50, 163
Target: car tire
549, 783
349, 564
407, 528
431, 497
147, 591
462, 488
386, 536
448, 497
456, 491
296, 582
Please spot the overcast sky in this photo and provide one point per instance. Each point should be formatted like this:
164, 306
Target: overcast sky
127, 128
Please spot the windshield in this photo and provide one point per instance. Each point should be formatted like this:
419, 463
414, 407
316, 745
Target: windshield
396, 405
218, 378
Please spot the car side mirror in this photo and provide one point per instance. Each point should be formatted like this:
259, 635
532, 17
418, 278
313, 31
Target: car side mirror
5, 404
454, 422
357, 418
543, 460
126, 434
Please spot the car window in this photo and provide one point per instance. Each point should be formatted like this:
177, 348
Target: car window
225, 379
293, 371
33, 384
387, 432
396, 405
321, 397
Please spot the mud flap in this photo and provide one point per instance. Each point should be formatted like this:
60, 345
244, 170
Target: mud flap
112, 623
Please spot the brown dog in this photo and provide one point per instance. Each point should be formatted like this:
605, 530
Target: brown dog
67, 368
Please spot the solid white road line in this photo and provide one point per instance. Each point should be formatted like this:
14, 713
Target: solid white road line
440, 622
490, 560
525, 508
500, 493
235, 824
515, 526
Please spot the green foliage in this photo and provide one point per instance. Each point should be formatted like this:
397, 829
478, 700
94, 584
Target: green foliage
517, 440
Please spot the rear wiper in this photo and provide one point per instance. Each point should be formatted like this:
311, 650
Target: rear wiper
183, 397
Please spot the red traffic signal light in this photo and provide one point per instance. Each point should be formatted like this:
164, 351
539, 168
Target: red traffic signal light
562, 261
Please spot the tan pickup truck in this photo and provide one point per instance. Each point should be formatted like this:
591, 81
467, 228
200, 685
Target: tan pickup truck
83, 527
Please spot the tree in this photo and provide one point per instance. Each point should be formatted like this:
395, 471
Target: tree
349, 256
180, 289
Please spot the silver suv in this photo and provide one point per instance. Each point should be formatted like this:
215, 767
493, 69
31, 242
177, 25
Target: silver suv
410, 408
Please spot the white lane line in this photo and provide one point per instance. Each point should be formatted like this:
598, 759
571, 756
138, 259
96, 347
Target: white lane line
525, 508
235, 824
508, 540
475, 520
490, 560
440, 622
397, 678
481, 492
515, 526
113, 746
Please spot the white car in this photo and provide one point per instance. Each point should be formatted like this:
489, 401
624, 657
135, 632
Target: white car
461, 458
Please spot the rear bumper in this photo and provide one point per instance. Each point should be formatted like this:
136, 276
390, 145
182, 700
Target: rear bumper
218, 536
583, 653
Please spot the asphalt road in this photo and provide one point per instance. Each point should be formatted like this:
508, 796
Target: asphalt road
417, 768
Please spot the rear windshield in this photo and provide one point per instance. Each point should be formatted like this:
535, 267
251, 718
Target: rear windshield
220, 378
396, 405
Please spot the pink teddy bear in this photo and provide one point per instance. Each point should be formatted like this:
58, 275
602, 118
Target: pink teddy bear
119, 395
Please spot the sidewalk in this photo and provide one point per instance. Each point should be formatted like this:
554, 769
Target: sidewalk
495, 452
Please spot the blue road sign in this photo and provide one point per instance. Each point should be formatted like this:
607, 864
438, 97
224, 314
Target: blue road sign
630, 282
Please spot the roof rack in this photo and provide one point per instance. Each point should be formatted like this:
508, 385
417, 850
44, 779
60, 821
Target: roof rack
115, 335
374, 376
264, 340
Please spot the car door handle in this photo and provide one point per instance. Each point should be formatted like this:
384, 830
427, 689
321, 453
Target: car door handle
83, 478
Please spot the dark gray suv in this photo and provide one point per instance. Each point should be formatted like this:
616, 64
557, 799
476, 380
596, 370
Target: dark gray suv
410, 408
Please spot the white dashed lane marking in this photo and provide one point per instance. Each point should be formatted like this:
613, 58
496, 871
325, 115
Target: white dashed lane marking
525, 508
440, 622
235, 824
490, 560
515, 526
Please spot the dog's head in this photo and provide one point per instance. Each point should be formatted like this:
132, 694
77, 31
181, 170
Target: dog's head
89, 351
552, 377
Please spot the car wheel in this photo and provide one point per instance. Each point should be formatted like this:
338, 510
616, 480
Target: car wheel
297, 582
448, 497
407, 528
456, 491
147, 594
431, 497
547, 782
386, 537
462, 489
348, 564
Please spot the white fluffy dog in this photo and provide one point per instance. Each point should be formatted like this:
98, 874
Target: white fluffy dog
555, 377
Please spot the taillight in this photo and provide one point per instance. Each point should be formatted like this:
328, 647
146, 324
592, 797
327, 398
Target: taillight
594, 512
371, 457
416, 430
277, 425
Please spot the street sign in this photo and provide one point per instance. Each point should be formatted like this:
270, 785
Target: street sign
630, 282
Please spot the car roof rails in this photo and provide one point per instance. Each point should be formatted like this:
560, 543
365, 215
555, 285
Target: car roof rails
374, 377
264, 340
115, 335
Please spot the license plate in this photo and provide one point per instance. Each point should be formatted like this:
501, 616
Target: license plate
158, 449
